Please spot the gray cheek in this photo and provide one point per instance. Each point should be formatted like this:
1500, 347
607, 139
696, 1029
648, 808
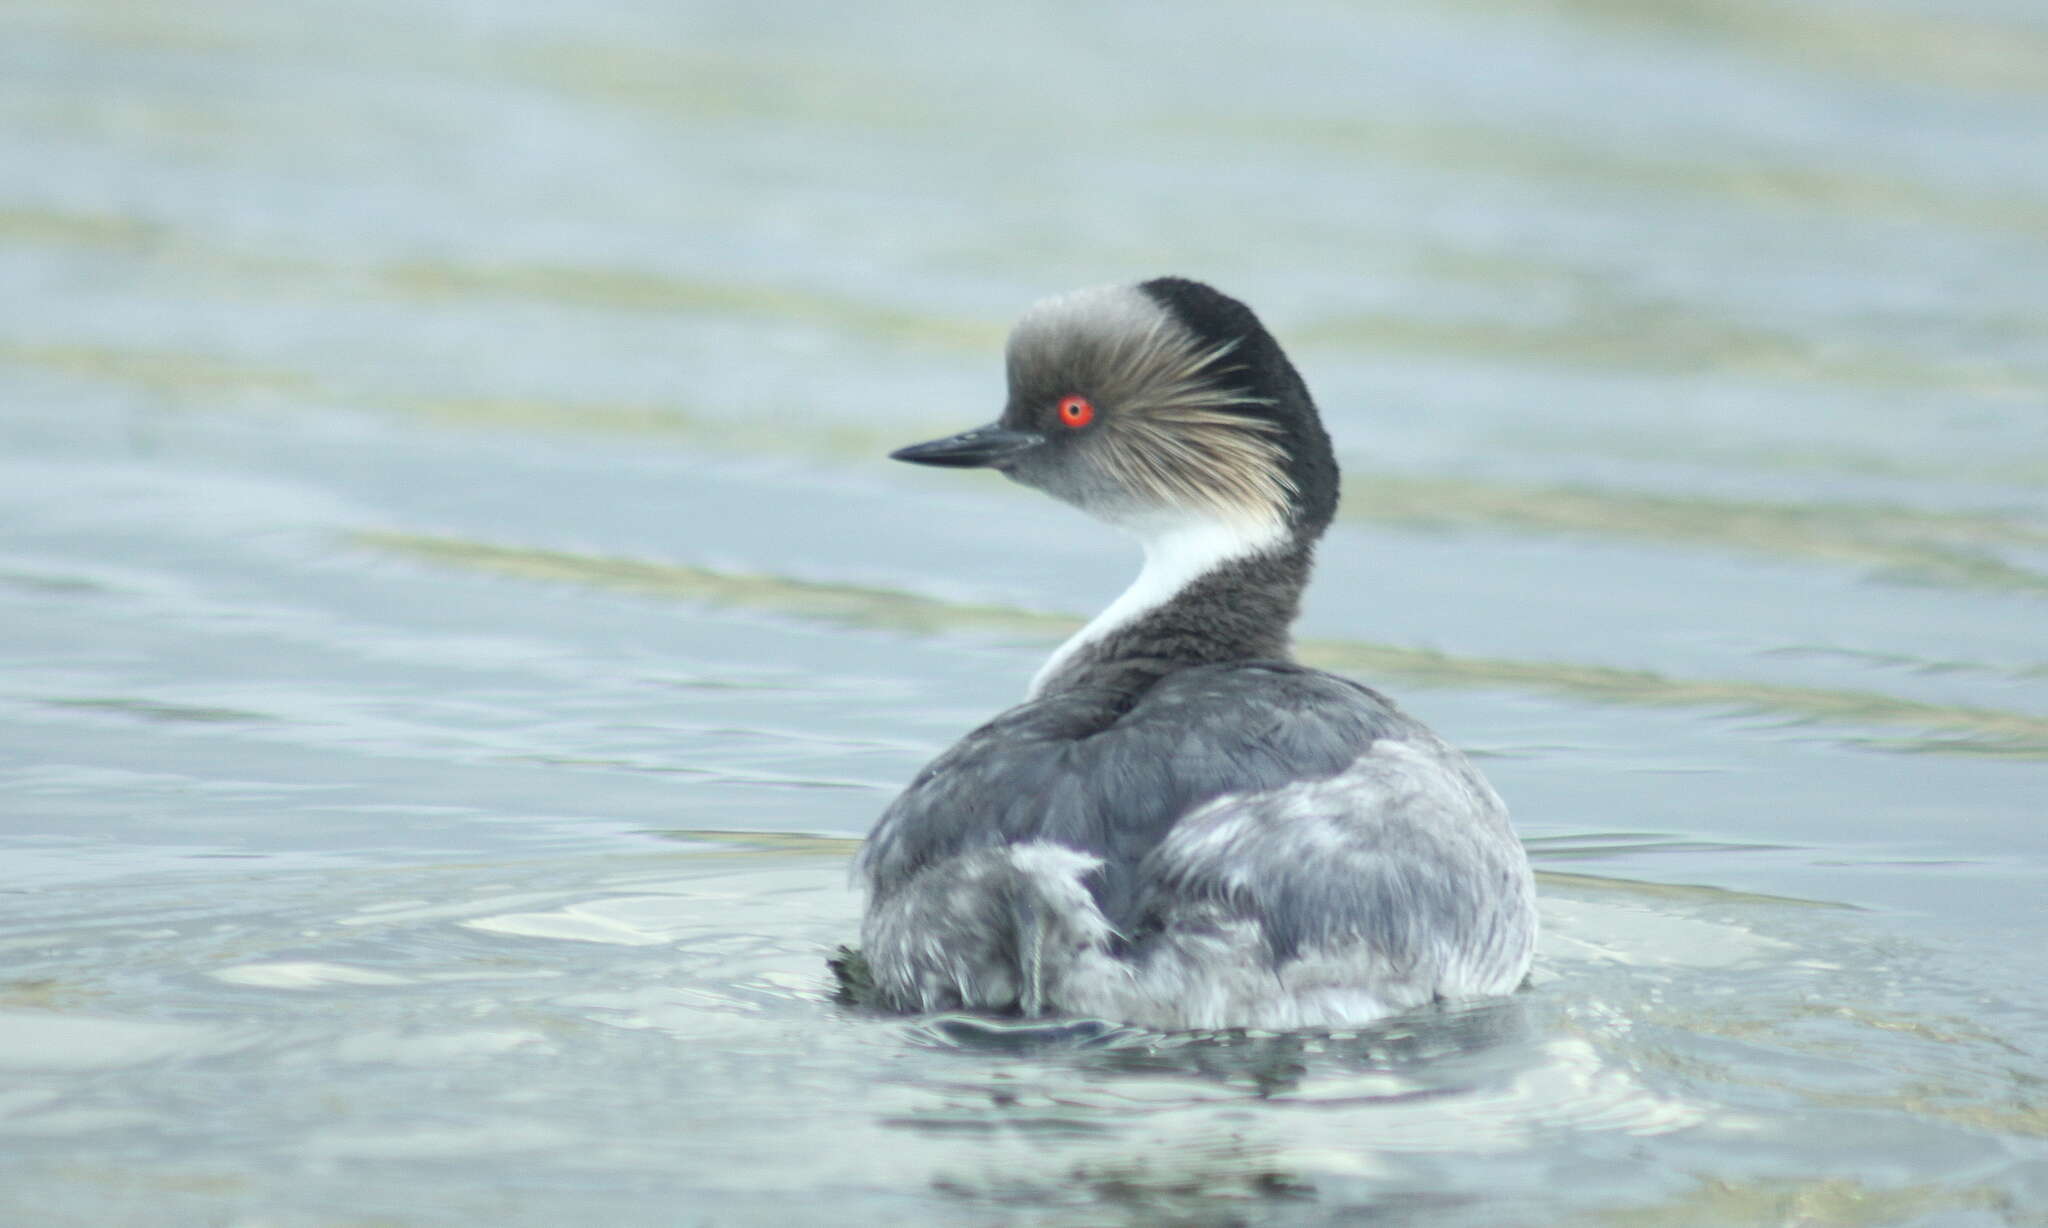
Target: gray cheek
1046, 468
1071, 475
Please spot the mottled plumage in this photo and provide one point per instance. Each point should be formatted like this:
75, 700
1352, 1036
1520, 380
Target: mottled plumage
1182, 828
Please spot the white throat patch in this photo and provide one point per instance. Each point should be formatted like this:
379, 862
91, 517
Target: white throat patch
1178, 551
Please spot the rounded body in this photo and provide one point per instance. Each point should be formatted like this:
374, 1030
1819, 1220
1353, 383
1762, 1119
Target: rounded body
1249, 845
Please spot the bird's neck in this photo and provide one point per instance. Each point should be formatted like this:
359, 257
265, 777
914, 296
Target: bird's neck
1211, 591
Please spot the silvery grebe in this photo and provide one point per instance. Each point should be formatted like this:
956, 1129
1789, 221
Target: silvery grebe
1180, 827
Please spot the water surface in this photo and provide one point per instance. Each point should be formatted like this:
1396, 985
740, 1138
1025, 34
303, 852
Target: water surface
458, 620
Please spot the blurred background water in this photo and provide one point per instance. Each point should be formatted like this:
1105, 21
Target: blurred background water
457, 617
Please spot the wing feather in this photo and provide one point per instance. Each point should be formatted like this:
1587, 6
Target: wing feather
1110, 778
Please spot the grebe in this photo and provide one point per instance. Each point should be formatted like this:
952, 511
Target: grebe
1180, 827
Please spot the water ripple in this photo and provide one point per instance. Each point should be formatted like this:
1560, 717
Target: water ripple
1947, 729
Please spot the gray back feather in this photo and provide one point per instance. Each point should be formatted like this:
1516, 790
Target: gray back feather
1407, 853
1098, 771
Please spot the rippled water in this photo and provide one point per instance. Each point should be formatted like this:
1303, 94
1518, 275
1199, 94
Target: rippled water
457, 619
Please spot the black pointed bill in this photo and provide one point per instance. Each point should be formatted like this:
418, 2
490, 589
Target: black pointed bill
981, 447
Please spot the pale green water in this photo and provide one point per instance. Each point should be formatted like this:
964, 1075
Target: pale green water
457, 618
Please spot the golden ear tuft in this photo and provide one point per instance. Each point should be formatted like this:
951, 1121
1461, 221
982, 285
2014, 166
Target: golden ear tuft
1182, 437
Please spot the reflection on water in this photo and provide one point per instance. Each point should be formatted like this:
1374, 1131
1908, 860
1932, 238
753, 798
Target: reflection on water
458, 622
1666, 1030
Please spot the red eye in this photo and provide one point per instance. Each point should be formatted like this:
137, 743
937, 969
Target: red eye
1076, 412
